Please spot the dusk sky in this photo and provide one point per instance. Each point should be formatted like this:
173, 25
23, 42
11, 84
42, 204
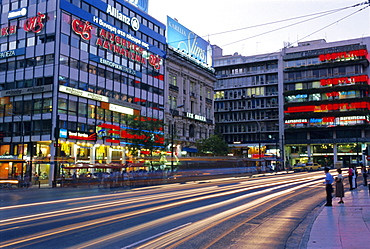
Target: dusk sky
207, 18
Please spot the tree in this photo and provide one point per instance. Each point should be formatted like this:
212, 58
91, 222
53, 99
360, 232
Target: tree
213, 145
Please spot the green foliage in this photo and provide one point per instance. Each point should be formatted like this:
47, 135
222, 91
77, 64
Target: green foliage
146, 132
214, 145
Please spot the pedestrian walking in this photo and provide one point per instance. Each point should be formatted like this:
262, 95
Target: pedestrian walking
328, 187
364, 174
339, 188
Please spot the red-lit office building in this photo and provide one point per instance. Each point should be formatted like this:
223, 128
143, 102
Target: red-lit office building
327, 102
71, 72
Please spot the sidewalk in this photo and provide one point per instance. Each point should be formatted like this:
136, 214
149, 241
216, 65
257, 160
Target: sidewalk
345, 225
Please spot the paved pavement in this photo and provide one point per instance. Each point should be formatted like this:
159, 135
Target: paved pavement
345, 225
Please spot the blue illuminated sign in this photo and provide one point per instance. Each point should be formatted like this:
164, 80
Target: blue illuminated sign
188, 42
114, 65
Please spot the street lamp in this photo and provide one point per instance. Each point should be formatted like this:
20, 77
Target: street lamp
173, 127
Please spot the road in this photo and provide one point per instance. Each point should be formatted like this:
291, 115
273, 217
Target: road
260, 212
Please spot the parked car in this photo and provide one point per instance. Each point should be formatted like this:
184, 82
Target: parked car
299, 167
310, 166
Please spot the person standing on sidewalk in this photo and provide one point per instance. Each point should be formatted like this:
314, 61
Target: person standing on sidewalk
364, 174
350, 176
339, 188
328, 187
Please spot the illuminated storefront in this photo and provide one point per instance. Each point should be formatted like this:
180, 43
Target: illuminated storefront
327, 102
67, 68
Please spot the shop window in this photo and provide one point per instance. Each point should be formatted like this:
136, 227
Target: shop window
91, 110
72, 108
82, 109
47, 105
37, 106
62, 106
72, 126
99, 113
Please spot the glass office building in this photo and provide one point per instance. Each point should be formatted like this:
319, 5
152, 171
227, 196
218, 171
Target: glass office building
72, 72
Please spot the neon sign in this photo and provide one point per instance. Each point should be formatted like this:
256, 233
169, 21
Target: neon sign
296, 121
120, 46
344, 80
343, 55
329, 107
35, 24
11, 30
337, 94
83, 29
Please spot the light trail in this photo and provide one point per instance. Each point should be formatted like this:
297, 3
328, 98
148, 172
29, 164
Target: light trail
165, 220
194, 195
196, 228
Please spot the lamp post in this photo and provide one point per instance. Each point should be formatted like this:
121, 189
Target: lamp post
173, 127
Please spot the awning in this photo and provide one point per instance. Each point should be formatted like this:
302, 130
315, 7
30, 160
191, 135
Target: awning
188, 149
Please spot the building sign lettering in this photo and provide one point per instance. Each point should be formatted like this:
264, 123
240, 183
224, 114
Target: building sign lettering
121, 46
81, 136
133, 22
329, 107
188, 43
34, 24
83, 29
354, 54
84, 94
196, 117
344, 80
11, 30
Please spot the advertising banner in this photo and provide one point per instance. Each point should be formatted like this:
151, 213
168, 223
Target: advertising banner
187, 42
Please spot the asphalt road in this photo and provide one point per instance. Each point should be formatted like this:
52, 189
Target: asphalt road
260, 212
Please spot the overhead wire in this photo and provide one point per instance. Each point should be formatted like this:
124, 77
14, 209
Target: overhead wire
284, 20
290, 25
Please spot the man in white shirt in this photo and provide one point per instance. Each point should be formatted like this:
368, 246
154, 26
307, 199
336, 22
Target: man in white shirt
328, 187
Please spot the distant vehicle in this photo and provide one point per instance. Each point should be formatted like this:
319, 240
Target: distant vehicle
299, 167
310, 166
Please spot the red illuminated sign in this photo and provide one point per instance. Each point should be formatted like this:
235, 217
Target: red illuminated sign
34, 24
8, 30
343, 55
118, 45
82, 136
83, 29
329, 107
344, 80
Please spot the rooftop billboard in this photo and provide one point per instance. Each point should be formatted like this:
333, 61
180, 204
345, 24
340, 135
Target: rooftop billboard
189, 43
